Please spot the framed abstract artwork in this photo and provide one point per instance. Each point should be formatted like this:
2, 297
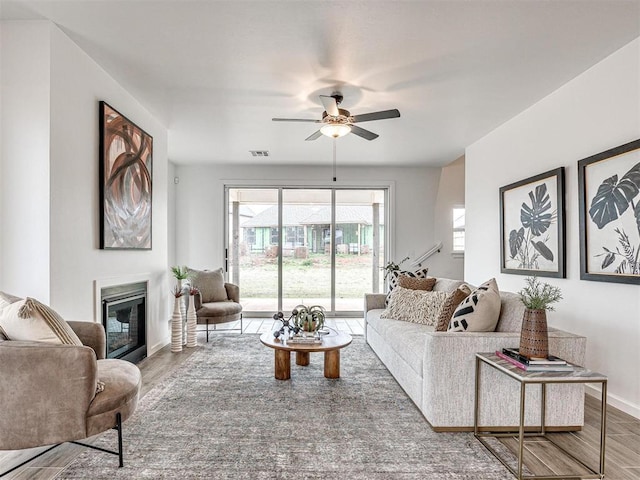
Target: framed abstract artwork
608, 188
126, 157
532, 226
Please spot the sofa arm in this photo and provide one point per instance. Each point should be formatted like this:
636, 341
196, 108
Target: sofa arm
449, 382
233, 292
91, 334
373, 301
45, 392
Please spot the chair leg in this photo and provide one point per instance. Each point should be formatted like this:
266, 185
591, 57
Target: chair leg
240, 324
118, 427
207, 330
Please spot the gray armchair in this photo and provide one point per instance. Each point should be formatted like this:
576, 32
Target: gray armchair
48, 392
213, 313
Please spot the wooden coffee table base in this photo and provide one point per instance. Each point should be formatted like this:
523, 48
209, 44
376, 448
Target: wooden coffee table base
283, 363
332, 364
302, 358
330, 346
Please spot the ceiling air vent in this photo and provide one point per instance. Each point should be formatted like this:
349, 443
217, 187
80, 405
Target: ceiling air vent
259, 153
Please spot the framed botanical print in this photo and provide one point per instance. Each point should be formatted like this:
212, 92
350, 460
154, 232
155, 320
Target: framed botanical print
532, 226
609, 201
126, 156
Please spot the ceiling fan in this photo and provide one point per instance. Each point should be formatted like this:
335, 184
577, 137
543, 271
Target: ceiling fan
338, 121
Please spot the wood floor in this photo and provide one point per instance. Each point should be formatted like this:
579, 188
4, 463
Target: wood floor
623, 431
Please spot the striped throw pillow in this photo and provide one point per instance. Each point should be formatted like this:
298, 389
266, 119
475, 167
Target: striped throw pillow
31, 320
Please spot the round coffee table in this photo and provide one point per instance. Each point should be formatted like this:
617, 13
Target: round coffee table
331, 345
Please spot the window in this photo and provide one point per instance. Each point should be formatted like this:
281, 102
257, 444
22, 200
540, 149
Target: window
458, 230
250, 236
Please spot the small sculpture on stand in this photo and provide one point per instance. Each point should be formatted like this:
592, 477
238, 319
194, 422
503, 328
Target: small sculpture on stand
288, 328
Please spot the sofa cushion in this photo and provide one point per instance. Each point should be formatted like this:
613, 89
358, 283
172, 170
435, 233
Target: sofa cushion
479, 312
511, 313
219, 309
210, 283
452, 301
405, 338
393, 279
414, 283
446, 285
30, 320
416, 306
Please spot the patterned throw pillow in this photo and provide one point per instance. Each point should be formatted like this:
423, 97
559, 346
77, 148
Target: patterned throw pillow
393, 279
451, 303
31, 320
412, 283
479, 312
210, 283
416, 306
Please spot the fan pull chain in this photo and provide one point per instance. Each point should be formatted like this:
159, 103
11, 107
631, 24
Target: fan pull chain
334, 160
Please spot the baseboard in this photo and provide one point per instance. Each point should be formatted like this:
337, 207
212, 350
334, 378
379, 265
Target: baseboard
614, 401
513, 429
154, 348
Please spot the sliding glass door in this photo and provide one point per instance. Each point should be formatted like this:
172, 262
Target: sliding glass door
316, 246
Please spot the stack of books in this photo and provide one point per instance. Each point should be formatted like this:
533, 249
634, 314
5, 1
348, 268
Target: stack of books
299, 340
534, 364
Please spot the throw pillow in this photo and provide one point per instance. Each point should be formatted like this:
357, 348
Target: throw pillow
412, 283
451, 303
416, 306
393, 279
210, 283
7, 298
31, 320
479, 312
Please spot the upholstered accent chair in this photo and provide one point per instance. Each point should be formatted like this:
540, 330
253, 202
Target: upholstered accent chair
217, 301
50, 393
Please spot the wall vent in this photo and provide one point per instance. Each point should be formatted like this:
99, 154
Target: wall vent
259, 153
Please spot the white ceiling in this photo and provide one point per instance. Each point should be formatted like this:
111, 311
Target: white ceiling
216, 72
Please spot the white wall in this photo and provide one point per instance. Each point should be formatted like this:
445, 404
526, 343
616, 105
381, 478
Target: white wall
200, 195
450, 195
67, 165
24, 158
598, 110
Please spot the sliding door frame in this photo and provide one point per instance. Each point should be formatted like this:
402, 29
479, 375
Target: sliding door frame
280, 186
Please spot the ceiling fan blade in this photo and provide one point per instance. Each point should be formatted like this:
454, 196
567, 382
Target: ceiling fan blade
366, 134
367, 117
295, 120
330, 105
314, 136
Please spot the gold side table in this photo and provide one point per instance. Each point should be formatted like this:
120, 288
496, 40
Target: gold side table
578, 375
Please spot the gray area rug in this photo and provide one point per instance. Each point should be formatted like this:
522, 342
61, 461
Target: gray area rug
223, 415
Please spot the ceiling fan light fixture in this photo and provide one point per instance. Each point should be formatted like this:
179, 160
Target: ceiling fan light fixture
335, 130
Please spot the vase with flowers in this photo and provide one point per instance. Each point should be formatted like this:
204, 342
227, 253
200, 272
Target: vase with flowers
537, 298
176, 321
191, 318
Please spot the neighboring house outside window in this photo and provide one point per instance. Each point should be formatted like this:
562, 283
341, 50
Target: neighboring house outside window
458, 230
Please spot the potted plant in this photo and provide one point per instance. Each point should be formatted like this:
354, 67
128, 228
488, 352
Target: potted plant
391, 267
537, 298
180, 273
308, 319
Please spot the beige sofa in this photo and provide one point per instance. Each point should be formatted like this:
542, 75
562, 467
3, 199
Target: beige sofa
437, 369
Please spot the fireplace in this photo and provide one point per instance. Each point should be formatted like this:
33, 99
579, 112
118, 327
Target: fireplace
124, 320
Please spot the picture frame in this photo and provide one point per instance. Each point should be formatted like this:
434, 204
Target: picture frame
532, 226
609, 209
126, 182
